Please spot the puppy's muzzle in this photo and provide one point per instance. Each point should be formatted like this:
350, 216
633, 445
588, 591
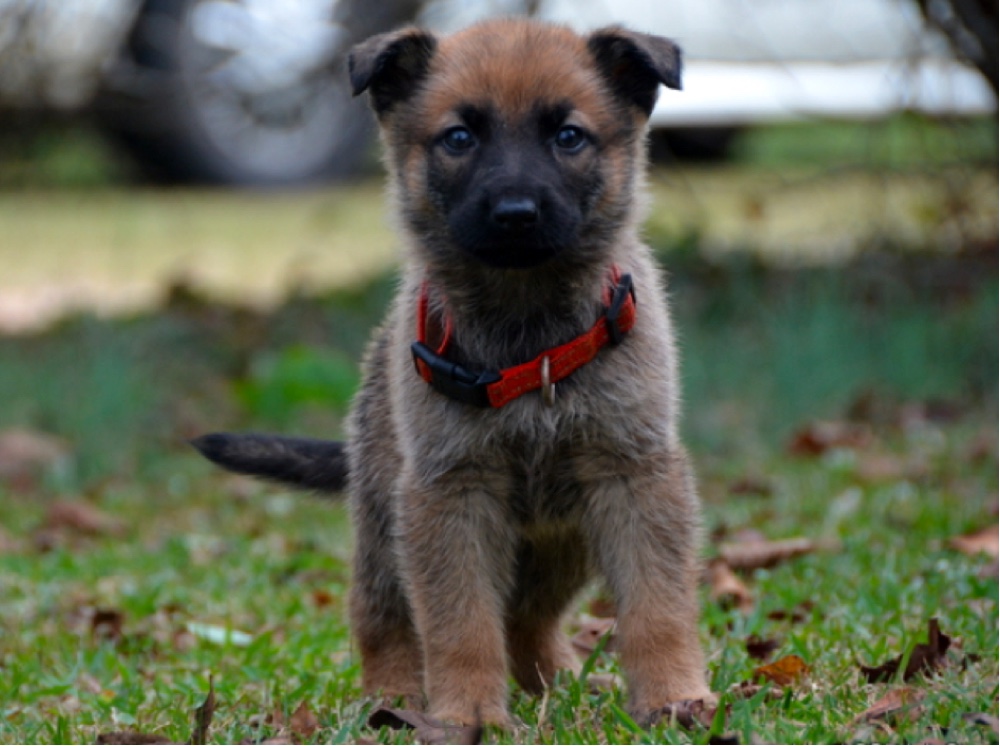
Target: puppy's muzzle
516, 214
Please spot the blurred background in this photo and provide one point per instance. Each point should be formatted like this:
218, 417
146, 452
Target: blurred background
193, 233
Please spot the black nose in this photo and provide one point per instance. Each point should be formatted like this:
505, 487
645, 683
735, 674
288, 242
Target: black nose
515, 213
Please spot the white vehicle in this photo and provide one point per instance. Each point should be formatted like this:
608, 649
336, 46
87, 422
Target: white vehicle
249, 92
252, 91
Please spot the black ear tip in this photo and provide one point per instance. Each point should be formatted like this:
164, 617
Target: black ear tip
359, 83
672, 79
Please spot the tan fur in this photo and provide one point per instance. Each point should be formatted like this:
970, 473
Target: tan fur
476, 528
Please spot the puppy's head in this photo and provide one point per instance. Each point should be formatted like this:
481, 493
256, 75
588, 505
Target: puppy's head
514, 143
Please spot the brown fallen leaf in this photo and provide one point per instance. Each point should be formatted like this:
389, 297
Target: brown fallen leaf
203, 716
426, 729
761, 648
106, 624
876, 468
758, 554
321, 598
591, 631
901, 703
303, 722
726, 589
25, 453
983, 448
124, 737
984, 541
924, 658
817, 438
80, 517
785, 671
751, 486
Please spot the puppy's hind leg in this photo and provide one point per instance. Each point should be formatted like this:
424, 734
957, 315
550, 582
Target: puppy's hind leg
381, 617
391, 658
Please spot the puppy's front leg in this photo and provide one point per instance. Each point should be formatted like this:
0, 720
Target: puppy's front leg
644, 530
457, 550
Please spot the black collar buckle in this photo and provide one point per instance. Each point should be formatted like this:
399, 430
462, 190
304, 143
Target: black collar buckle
452, 379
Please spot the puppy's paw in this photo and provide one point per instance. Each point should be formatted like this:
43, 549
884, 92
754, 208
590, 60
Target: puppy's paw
462, 717
687, 713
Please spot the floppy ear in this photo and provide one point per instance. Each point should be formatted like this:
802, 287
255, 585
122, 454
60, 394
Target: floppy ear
635, 64
390, 65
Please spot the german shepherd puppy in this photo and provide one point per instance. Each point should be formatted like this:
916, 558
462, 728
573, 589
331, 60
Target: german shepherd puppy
516, 428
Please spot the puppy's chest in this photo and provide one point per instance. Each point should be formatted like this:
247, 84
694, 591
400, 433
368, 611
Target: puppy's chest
545, 486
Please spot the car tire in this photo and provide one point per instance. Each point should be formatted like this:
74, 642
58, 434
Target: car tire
180, 126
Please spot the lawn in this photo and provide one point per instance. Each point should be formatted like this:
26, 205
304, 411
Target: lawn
842, 417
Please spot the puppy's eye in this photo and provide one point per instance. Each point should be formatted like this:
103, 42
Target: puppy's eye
570, 139
458, 140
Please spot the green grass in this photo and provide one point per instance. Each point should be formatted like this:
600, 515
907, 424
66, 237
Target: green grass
765, 352
902, 141
196, 552
903, 340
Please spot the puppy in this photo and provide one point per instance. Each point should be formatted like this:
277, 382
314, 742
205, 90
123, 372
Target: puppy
516, 428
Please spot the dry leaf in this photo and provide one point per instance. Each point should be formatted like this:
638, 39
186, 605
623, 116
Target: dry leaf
761, 648
591, 631
875, 468
784, 671
303, 722
426, 728
817, 438
106, 624
895, 703
924, 657
82, 518
757, 554
203, 715
984, 541
727, 589
321, 598
23, 453
751, 487
983, 448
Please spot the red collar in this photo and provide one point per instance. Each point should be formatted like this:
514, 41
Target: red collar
492, 388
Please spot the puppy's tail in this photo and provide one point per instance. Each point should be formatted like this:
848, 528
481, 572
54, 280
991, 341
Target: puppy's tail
299, 462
